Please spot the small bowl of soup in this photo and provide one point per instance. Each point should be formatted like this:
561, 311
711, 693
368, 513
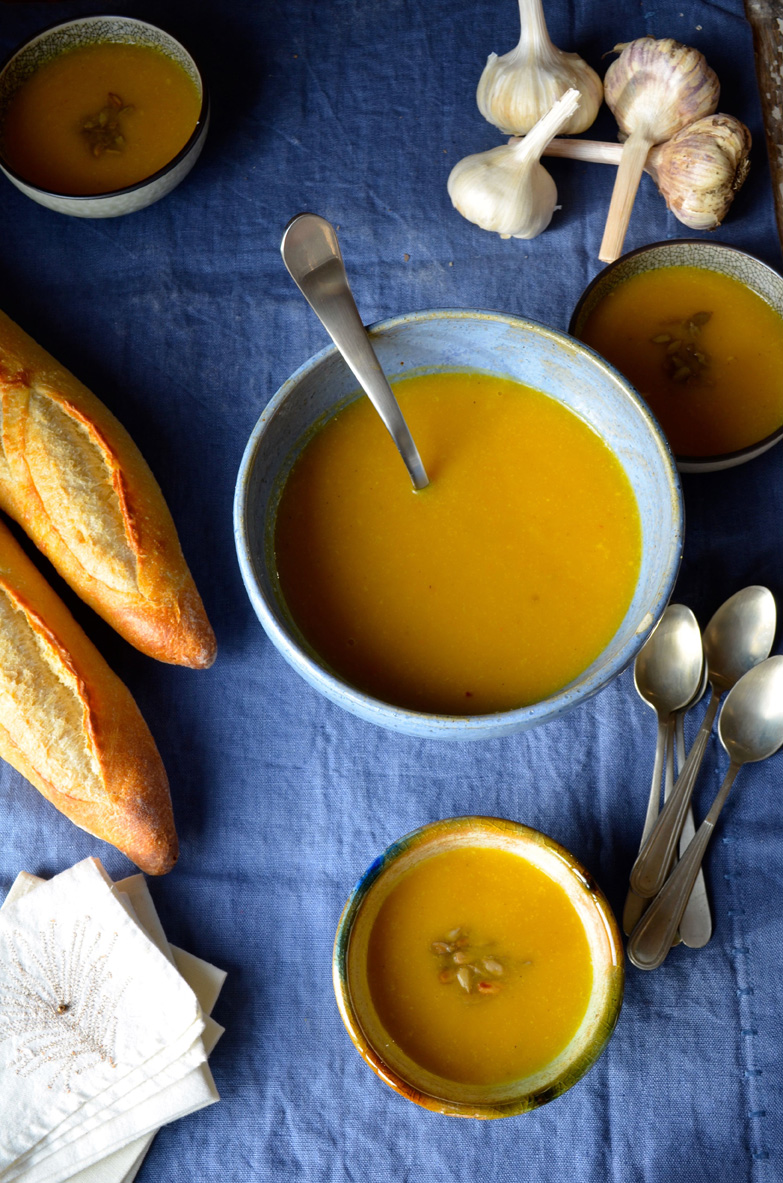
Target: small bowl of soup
478, 968
100, 116
518, 583
697, 328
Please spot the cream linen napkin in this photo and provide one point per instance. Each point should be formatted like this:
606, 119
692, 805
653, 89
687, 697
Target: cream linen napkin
197, 1089
90, 1010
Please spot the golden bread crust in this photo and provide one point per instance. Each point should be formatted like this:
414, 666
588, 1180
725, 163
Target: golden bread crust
74, 480
70, 726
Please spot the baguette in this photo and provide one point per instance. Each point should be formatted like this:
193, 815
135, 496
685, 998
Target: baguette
70, 726
76, 483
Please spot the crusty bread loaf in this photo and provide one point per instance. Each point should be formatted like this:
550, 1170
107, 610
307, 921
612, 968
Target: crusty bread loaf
72, 477
71, 727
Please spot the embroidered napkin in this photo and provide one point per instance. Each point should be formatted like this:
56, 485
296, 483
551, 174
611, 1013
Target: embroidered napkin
102, 1040
197, 1089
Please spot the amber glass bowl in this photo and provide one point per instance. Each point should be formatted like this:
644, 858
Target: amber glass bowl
388, 1060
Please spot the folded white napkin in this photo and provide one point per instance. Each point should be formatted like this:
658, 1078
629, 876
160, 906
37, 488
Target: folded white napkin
136, 1051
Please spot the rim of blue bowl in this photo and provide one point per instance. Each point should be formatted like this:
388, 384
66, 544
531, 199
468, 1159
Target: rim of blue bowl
718, 460
201, 122
421, 723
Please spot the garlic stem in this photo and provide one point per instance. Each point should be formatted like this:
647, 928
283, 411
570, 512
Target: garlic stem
591, 151
535, 44
629, 174
548, 126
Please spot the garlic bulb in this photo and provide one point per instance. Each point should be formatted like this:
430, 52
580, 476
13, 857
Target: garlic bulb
698, 171
654, 89
517, 89
506, 189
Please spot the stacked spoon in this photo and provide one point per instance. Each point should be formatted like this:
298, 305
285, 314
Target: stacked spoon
736, 645
668, 677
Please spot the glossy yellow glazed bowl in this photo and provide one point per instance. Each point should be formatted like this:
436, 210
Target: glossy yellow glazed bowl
387, 1059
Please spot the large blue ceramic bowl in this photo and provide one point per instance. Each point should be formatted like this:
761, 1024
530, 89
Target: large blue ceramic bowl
493, 343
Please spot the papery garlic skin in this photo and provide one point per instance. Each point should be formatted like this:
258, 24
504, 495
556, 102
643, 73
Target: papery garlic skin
507, 189
517, 89
700, 169
656, 87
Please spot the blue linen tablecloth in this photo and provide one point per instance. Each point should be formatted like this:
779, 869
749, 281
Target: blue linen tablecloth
183, 319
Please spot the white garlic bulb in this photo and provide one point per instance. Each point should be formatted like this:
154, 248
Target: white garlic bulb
507, 189
700, 169
654, 89
517, 89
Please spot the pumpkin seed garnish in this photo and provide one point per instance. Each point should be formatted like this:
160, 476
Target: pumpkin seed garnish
468, 964
103, 131
465, 978
682, 360
489, 987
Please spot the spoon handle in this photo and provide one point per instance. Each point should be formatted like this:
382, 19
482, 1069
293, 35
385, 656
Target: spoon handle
652, 938
655, 858
314, 261
696, 923
634, 903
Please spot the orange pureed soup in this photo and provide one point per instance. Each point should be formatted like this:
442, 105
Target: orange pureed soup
478, 966
704, 350
489, 590
100, 118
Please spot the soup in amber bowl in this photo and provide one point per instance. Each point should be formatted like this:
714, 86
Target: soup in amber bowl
518, 583
478, 968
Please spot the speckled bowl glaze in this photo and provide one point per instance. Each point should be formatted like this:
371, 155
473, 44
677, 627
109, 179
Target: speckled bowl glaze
387, 1059
687, 252
492, 343
90, 30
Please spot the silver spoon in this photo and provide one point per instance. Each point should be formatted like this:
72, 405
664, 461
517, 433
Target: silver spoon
738, 637
750, 729
312, 255
667, 674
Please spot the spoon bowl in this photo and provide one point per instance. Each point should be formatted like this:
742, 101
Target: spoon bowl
668, 668
751, 722
739, 635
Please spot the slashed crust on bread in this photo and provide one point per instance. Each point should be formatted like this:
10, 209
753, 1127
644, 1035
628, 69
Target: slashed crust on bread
77, 484
70, 726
